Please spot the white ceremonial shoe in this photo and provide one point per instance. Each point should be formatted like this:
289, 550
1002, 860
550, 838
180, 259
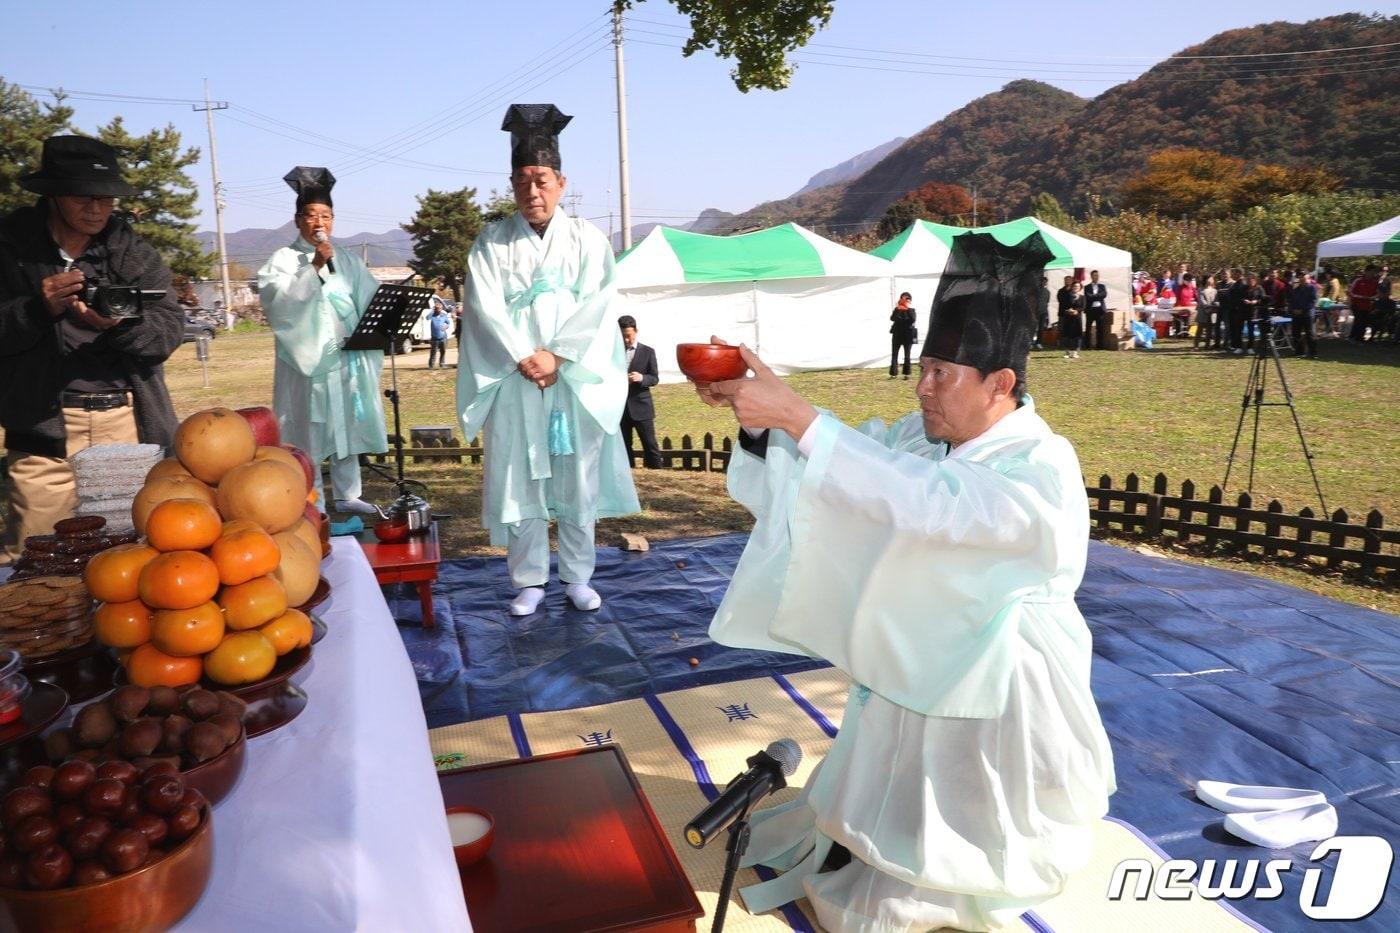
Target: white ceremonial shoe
583, 596
355, 507
1255, 798
527, 601
1281, 829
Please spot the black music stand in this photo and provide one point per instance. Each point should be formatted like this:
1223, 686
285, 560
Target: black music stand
387, 322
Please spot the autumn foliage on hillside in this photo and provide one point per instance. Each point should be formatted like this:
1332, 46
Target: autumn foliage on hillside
1195, 183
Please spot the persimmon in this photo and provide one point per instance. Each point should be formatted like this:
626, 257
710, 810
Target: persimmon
185, 633
241, 658
244, 552
249, 605
183, 525
148, 666
123, 625
112, 575
178, 580
290, 630
171, 486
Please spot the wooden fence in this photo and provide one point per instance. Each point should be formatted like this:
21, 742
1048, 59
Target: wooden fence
1154, 515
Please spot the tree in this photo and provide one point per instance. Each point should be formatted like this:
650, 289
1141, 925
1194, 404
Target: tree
899, 215
164, 206
1204, 185
24, 125
944, 203
443, 231
499, 207
756, 34
1047, 207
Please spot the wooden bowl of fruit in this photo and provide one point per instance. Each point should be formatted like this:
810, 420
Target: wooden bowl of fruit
106, 848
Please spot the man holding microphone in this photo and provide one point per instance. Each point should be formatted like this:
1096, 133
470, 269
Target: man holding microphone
326, 399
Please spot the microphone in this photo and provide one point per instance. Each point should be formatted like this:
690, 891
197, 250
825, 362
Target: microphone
766, 774
330, 263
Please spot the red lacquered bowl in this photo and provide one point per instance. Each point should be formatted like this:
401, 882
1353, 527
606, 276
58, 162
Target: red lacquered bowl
392, 531
710, 362
152, 897
215, 778
472, 852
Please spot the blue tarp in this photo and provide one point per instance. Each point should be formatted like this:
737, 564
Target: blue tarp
1199, 673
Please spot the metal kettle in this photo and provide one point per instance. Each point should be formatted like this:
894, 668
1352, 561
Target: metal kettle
413, 510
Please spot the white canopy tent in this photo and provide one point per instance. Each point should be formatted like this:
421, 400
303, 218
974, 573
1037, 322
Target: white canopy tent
798, 299
1382, 239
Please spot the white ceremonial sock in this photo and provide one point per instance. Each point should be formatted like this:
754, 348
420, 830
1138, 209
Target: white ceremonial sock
527, 601
583, 596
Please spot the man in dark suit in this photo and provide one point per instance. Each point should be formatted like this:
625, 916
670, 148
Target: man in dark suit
1095, 307
639, 412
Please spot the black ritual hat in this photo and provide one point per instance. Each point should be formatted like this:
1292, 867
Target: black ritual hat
984, 314
77, 166
312, 185
534, 134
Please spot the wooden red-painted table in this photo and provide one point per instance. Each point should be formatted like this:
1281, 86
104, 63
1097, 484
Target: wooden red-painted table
577, 848
414, 560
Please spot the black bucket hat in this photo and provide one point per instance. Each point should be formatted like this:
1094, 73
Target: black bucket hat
78, 166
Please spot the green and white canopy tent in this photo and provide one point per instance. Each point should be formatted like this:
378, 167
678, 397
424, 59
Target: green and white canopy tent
1383, 239
920, 251
800, 300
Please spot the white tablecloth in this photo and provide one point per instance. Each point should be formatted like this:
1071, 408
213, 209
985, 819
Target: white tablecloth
337, 822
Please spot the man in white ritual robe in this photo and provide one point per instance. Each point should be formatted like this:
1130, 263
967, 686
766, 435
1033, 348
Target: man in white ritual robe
935, 562
326, 399
542, 372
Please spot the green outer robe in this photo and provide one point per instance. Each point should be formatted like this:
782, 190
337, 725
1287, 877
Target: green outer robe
525, 292
971, 763
327, 401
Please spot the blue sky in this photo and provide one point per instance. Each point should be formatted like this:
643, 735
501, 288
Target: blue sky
423, 86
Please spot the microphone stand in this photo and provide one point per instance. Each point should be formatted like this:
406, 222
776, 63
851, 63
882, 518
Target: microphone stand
734, 852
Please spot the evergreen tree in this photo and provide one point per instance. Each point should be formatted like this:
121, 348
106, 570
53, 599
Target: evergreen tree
24, 125
1047, 207
443, 231
164, 206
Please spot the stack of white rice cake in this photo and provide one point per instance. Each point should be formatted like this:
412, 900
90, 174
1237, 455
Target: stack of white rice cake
109, 477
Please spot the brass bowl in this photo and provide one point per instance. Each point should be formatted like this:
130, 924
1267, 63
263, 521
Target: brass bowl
153, 897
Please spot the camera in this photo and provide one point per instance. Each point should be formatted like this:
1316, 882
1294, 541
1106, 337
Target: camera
118, 302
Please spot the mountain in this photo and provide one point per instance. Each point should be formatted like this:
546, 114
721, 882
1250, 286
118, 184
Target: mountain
710, 220
251, 247
851, 168
1267, 104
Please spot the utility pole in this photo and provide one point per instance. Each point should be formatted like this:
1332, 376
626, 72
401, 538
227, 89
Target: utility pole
209, 109
364, 252
622, 189
974, 204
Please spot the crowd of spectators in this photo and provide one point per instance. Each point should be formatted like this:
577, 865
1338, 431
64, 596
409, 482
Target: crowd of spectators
1228, 308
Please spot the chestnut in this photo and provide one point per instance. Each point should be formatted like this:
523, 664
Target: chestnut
85, 840
33, 834
89, 873
72, 778
160, 766
38, 776
22, 803
152, 827
68, 815
11, 872
193, 798
48, 868
161, 794
182, 823
124, 850
119, 770
105, 797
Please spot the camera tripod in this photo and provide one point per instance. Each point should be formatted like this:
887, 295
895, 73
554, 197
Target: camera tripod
1254, 389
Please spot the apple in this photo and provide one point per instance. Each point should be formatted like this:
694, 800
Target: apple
307, 466
264, 425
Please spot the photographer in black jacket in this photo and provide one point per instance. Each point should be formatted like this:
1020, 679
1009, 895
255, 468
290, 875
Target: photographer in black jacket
71, 374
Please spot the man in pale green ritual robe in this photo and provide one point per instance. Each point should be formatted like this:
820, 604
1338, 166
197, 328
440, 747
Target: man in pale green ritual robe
313, 294
935, 562
542, 371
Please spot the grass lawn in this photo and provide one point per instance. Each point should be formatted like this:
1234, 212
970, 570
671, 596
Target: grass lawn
1171, 410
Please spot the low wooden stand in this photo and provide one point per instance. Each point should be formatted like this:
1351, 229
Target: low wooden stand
577, 848
414, 560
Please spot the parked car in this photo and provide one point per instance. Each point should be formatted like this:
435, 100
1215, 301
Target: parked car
196, 327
